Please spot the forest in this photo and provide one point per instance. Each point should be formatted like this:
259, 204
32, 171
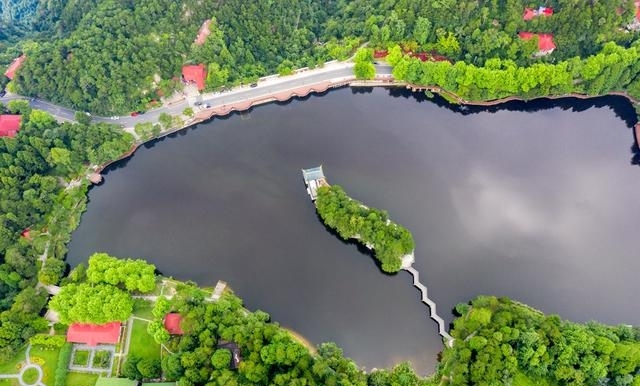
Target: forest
369, 226
36, 168
115, 56
613, 69
499, 341
268, 355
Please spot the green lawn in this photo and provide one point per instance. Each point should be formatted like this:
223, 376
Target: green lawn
142, 309
81, 358
48, 359
142, 344
81, 379
30, 376
102, 359
14, 365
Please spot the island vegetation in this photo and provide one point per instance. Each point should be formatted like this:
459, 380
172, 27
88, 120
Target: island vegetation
113, 56
372, 227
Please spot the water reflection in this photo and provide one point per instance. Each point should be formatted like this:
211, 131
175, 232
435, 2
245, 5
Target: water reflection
538, 206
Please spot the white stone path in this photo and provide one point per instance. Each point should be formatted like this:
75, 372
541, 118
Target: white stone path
26, 368
442, 330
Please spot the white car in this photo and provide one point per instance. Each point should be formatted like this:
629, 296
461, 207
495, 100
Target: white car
115, 117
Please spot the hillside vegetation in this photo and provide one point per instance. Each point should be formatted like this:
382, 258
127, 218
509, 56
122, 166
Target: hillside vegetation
114, 56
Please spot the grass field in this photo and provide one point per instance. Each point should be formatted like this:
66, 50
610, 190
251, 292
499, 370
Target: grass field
142, 344
80, 379
48, 359
13, 366
142, 309
81, 358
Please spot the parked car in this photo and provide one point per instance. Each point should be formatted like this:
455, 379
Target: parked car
135, 114
197, 103
254, 85
3, 93
115, 117
206, 105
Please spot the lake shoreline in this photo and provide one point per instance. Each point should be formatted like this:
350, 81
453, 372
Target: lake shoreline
450, 97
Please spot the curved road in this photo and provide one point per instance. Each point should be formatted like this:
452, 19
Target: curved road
265, 87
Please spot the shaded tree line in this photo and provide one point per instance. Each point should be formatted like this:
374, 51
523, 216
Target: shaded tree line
500, 341
613, 69
267, 354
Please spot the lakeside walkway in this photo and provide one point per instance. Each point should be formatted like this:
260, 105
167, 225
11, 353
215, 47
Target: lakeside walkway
442, 331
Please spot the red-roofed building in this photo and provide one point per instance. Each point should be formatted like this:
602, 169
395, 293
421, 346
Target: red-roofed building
9, 125
378, 54
172, 323
545, 42
203, 33
26, 233
194, 74
94, 334
13, 67
530, 13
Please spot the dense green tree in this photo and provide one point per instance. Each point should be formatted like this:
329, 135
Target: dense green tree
86, 303
133, 275
52, 271
372, 227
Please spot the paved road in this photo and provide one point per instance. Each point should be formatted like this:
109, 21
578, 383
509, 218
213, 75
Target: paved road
265, 87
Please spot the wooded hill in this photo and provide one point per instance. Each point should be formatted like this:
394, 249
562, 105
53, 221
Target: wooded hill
115, 55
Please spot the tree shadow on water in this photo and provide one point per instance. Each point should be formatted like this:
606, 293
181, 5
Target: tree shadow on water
620, 105
352, 242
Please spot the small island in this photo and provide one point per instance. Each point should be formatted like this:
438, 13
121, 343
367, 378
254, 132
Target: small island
392, 243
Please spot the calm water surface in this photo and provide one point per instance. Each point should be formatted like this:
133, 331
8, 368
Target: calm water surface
540, 206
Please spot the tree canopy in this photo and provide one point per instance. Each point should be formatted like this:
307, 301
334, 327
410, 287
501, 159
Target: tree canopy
87, 303
370, 226
133, 275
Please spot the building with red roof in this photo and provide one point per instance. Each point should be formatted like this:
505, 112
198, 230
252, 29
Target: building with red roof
9, 125
172, 323
194, 74
203, 33
545, 42
13, 67
94, 334
530, 13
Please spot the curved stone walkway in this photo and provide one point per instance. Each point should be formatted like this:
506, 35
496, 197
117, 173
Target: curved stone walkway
431, 304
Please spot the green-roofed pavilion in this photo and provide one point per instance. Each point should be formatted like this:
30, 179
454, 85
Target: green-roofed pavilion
103, 381
314, 178
312, 174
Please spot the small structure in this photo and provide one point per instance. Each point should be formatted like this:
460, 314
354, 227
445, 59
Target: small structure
235, 353
26, 233
95, 178
635, 23
14, 66
314, 178
194, 74
172, 323
9, 125
94, 334
530, 13
545, 42
203, 33
379, 54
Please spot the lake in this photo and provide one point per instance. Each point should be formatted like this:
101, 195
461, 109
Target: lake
537, 201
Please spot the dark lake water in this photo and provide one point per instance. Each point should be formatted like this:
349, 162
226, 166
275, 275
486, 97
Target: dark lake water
536, 201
